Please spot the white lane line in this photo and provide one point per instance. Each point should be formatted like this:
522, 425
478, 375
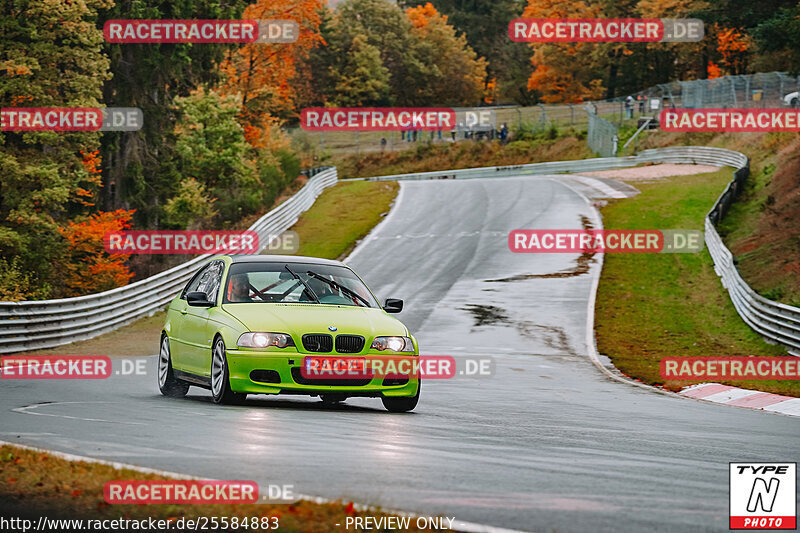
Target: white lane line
29, 410
458, 525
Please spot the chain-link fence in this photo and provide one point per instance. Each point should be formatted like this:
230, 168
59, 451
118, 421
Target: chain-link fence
601, 136
762, 90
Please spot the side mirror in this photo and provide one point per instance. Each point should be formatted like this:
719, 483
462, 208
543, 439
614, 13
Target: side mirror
198, 299
393, 305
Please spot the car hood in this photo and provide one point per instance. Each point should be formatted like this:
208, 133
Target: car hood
298, 319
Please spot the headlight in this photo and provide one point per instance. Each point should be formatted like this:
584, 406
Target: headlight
394, 344
264, 340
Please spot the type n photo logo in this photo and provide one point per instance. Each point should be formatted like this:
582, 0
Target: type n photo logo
763, 495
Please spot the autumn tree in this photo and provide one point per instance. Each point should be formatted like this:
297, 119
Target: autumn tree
777, 38
51, 56
263, 74
86, 266
458, 75
564, 72
385, 27
362, 79
485, 26
139, 168
213, 151
423, 61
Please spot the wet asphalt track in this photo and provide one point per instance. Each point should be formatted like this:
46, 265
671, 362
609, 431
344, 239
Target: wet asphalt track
548, 443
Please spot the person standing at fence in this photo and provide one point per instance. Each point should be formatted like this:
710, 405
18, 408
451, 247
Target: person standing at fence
629, 107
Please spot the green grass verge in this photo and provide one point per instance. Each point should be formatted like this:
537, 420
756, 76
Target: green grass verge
342, 215
650, 306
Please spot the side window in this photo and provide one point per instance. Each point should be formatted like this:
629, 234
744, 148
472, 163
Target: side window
207, 281
212, 282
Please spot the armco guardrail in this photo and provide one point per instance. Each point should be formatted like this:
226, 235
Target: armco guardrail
47, 323
777, 322
34, 325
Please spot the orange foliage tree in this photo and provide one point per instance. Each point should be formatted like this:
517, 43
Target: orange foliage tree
458, 75
732, 46
87, 267
262, 73
563, 72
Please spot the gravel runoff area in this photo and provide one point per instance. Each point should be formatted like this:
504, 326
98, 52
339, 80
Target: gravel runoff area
651, 172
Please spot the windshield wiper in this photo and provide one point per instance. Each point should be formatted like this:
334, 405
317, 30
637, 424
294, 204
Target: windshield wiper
307, 288
338, 286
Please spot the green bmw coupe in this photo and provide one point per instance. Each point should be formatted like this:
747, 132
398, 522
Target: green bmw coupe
254, 324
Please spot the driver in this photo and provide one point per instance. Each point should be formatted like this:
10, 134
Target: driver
239, 289
320, 288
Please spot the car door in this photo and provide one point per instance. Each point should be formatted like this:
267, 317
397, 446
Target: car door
196, 338
178, 333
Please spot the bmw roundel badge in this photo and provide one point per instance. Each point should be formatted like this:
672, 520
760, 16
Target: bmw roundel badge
332, 328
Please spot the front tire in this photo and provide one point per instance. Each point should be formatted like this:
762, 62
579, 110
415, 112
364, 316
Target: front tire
168, 384
220, 376
402, 404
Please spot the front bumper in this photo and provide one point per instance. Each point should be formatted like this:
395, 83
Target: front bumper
242, 364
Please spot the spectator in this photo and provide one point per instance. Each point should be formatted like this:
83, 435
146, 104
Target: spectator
503, 134
629, 107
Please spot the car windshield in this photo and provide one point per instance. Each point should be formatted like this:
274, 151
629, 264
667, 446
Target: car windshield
295, 283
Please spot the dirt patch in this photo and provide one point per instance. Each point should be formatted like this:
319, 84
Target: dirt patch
651, 172
582, 264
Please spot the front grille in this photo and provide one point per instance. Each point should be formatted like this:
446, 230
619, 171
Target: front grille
318, 342
391, 382
297, 376
349, 343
